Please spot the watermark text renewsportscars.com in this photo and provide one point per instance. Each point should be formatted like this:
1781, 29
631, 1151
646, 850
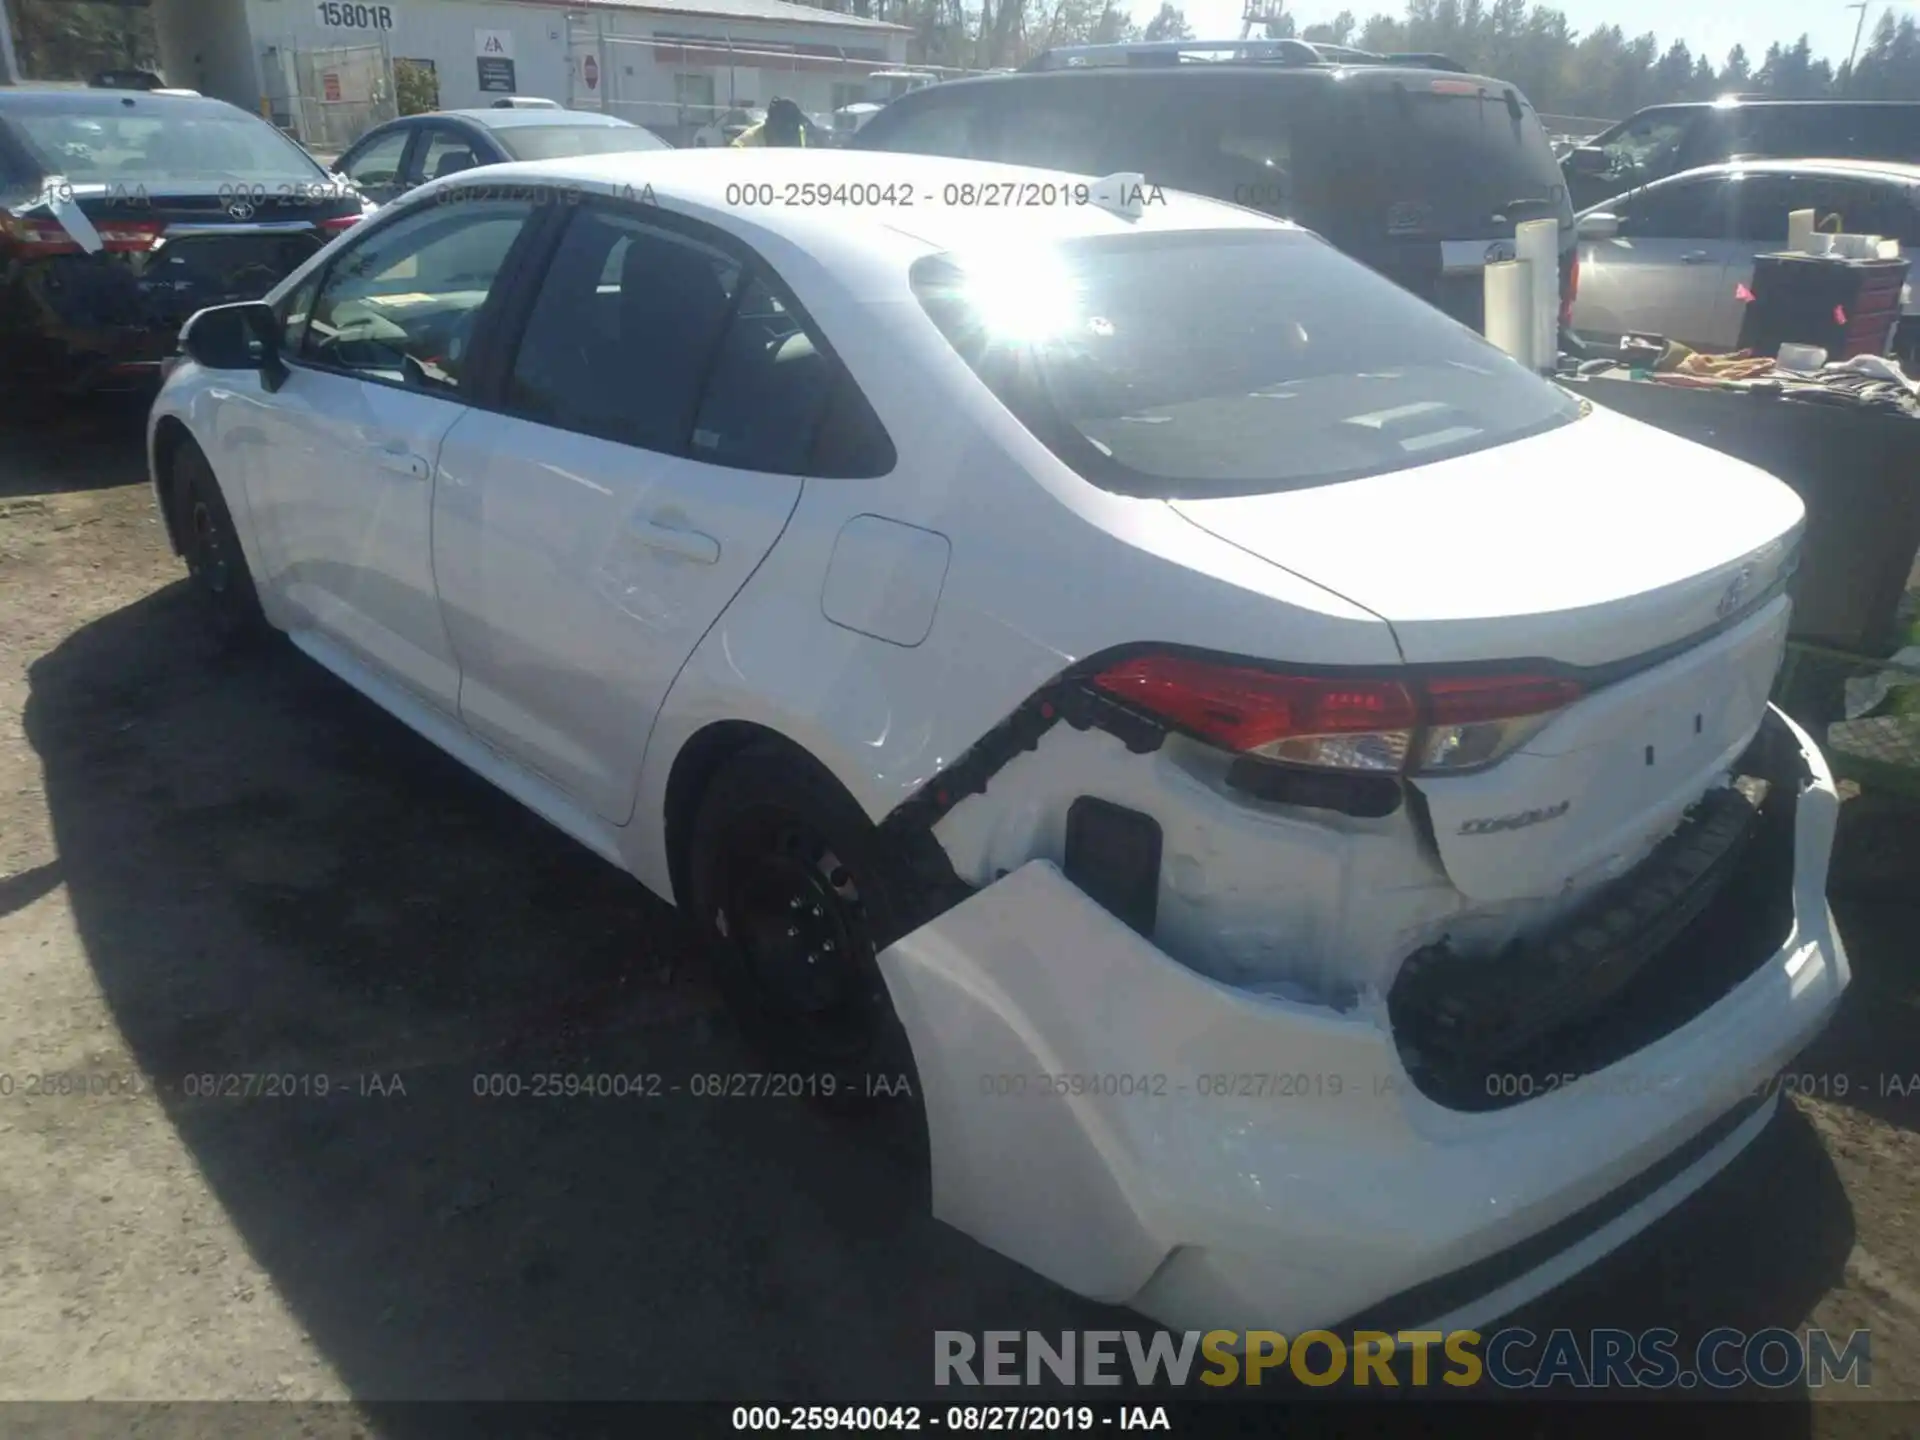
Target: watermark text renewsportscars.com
1510, 1359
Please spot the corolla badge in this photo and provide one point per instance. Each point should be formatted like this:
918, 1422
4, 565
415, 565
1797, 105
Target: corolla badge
241, 209
1736, 592
1495, 824
1501, 250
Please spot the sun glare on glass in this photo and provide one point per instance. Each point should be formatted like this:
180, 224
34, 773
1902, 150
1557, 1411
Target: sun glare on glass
1022, 299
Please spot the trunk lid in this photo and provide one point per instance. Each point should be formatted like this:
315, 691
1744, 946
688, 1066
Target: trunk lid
1590, 543
1646, 561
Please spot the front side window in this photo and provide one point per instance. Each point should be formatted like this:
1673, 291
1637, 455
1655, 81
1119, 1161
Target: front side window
1690, 210
1650, 146
1210, 364
401, 307
626, 323
379, 163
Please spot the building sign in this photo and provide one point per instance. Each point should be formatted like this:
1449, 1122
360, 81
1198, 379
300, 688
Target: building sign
330, 87
493, 44
496, 76
590, 72
351, 15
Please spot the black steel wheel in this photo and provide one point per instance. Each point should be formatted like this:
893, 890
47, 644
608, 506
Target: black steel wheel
216, 566
797, 897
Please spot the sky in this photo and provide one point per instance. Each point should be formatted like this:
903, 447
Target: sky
1713, 25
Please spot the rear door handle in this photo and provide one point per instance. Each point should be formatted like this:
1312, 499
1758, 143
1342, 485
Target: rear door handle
402, 462
688, 544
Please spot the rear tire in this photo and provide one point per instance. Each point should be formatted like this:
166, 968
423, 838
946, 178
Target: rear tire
796, 894
216, 566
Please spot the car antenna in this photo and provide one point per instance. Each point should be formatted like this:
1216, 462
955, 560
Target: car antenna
1122, 194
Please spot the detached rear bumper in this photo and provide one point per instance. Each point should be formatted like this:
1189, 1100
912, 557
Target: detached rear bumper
1221, 1159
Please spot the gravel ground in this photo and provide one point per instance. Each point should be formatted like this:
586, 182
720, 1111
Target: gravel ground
212, 869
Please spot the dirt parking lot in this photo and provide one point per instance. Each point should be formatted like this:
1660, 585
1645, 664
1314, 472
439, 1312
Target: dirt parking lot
210, 869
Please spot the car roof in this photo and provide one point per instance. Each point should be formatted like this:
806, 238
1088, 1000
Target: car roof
511, 119
1868, 169
1349, 76
86, 100
852, 237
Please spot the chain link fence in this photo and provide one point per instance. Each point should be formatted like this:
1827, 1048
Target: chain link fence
338, 94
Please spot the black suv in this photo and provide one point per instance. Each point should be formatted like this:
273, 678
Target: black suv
1666, 139
1422, 173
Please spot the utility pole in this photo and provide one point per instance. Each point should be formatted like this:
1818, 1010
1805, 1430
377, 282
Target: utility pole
1859, 27
1260, 13
9, 63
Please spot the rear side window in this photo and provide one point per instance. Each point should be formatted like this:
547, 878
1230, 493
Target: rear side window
1451, 160
1259, 144
627, 320
1679, 210
1841, 132
769, 385
1058, 126
1207, 364
949, 125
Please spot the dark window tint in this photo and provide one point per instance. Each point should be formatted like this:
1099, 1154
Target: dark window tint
1227, 362
850, 442
1648, 147
623, 331
402, 305
1251, 143
1449, 160
1684, 210
767, 389
447, 152
552, 142
1839, 132
952, 124
1061, 125
295, 312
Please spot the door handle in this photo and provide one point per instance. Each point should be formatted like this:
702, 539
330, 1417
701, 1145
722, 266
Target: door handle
687, 544
1695, 257
402, 462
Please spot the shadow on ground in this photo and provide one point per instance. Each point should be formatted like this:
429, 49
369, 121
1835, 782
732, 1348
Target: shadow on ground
271, 877
54, 447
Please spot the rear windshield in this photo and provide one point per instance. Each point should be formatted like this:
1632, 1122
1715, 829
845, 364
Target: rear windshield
1451, 160
157, 151
1219, 363
553, 142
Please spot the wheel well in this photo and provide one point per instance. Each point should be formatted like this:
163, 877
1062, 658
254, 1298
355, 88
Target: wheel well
168, 436
694, 767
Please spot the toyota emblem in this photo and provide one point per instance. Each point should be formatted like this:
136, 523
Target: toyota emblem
1501, 250
241, 209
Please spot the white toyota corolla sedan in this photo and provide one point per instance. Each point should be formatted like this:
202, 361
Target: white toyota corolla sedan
1292, 794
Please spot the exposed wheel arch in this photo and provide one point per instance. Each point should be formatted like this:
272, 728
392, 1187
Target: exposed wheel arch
693, 769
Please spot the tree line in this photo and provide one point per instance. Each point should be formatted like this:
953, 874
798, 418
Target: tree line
1603, 73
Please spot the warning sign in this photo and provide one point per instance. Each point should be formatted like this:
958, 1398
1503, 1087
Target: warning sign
590, 72
330, 86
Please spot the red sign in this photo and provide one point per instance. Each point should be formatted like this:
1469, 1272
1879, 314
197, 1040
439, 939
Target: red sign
330, 85
590, 72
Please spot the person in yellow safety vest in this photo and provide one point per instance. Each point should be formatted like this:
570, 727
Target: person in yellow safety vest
783, 126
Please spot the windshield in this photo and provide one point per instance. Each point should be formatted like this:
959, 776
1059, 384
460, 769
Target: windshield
1218, 363
158, 153
1452, 160
553, 142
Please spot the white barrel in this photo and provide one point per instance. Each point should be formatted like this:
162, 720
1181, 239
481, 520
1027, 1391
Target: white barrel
1510, 308
1800, 231
1538, 243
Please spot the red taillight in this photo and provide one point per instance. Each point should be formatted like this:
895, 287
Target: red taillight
1243, 709
1570, 291
32, 238
130, 236
339, 224
1375, 723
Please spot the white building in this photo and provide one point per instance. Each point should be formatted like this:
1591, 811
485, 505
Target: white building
325, 69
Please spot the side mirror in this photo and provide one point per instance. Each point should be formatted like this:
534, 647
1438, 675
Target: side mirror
1588, 160
1598, 225
245, 336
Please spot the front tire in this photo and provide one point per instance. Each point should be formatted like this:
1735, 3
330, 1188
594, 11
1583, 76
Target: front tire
216, 567
796, 894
